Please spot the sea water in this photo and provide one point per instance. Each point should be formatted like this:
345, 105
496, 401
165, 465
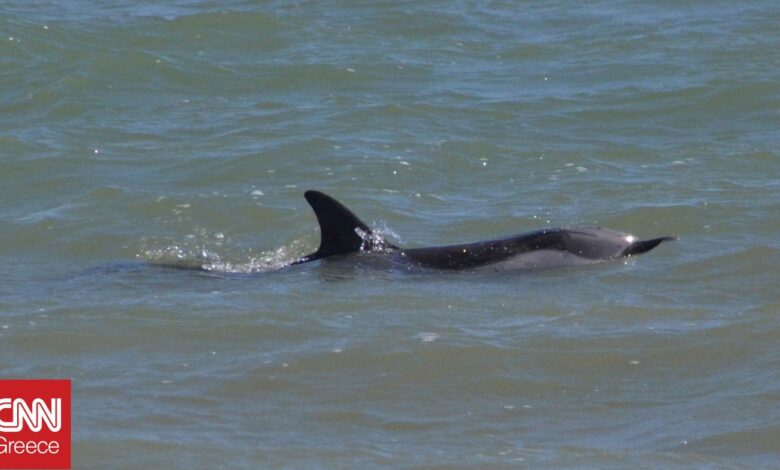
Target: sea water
134, 134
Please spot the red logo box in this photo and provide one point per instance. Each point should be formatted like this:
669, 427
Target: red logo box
35, 424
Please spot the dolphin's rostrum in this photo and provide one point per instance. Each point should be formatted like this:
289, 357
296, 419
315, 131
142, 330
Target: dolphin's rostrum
342, 233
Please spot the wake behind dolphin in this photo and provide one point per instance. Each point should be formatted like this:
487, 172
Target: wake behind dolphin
343, 233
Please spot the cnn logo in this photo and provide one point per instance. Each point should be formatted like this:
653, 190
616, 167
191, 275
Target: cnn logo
35, 424
35, 416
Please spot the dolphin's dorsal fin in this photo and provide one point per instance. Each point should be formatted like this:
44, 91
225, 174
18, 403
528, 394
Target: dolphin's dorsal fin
339, 227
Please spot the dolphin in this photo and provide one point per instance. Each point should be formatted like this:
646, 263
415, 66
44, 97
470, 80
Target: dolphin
343, 233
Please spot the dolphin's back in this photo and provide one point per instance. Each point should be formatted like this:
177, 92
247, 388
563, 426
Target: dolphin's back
342, 232
476, 254
540, 249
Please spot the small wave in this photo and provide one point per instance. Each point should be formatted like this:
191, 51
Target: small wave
214, 252
208, 256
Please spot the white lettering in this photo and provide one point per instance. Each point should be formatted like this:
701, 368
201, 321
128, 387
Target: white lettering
35, 416
28, 447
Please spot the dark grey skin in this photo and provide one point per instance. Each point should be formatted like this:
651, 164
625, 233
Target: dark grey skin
343, 233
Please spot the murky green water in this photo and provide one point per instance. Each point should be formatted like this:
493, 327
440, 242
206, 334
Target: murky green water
134, 133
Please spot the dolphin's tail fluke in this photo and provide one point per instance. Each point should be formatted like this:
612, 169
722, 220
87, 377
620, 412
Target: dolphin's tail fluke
643, 246
341, 231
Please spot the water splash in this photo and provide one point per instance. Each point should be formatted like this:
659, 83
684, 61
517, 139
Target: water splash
378, 240
216, 254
